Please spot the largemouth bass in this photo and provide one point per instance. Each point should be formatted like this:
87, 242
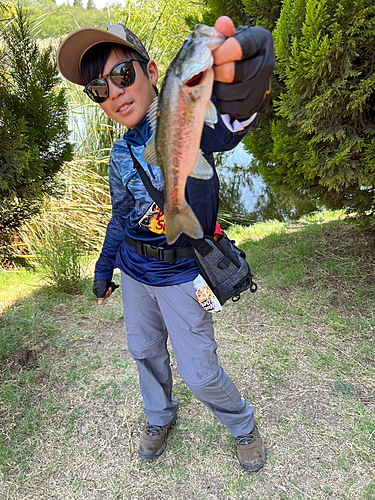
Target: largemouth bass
177, 117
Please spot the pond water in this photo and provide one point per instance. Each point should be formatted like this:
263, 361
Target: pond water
244, 196
241, 189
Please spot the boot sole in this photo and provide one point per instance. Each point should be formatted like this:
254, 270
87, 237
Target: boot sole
252, 468
149, 458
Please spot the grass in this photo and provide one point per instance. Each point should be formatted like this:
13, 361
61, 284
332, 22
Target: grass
300, 350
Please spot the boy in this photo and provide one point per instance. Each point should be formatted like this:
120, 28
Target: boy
157, 279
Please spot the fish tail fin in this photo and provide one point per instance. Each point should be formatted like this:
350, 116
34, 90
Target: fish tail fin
182, 221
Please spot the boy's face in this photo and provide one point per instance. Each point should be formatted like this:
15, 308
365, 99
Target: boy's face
128, 106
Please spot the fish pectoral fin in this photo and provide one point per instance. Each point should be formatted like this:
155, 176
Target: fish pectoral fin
149, 154
211, 115
182, 221
202, 169
153, 113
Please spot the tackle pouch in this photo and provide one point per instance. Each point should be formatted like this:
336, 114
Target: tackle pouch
224, 267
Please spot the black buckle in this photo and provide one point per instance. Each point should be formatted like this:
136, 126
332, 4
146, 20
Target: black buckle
152, 251
165, 254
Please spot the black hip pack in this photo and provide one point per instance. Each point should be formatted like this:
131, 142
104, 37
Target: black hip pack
224, 267
222, 264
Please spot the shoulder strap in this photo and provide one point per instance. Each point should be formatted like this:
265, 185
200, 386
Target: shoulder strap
156, 195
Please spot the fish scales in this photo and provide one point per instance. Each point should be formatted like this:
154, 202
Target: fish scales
180, 153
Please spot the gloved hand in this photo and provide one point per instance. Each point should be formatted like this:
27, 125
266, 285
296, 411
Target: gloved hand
256, 44
103, 289
243, 69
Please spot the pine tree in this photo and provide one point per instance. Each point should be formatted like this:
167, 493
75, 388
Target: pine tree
90, 5
33, 124
317, 139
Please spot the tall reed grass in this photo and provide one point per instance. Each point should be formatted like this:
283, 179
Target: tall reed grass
84, 204
70, 229
57, 249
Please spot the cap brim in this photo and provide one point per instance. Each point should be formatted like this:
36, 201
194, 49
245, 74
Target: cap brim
76, 44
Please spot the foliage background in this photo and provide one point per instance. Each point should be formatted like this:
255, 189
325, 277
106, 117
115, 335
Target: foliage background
324, 135
316, 142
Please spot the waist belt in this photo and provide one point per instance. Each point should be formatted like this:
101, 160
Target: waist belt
165, 254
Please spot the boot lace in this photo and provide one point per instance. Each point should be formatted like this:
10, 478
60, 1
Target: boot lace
247, 439
153, 430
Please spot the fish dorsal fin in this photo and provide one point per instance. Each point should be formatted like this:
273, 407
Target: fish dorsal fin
149, 154
202, 169
211, 115
153, 113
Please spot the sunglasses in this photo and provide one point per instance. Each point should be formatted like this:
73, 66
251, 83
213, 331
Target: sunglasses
122, 75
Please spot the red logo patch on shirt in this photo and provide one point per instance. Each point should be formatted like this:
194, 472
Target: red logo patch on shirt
154, 220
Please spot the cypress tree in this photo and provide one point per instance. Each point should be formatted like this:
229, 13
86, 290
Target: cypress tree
317, 139
263, 13
33, 124
324, 135
216, 8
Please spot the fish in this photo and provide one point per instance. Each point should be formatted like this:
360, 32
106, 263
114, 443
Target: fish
177, 117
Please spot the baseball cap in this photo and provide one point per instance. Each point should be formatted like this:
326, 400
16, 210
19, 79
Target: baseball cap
71, 51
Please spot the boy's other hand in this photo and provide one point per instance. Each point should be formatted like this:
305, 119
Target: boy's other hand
229, 52
103, 289
107, 294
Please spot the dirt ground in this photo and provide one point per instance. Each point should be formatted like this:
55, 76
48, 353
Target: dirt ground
86, 396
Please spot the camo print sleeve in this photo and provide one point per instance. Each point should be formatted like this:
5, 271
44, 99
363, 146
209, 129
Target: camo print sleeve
122, 205
250, 90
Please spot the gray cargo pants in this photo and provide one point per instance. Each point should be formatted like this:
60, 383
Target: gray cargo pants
150, 312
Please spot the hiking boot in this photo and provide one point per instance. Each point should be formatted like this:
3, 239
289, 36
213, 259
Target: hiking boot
153, 440
251, 453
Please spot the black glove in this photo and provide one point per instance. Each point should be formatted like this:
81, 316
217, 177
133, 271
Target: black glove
101, 287
250, 90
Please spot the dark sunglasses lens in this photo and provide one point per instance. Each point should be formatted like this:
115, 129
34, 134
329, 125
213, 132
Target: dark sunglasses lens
123, 75
97, 90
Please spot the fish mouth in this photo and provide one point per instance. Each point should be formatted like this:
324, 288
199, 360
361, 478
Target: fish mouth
196, 79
